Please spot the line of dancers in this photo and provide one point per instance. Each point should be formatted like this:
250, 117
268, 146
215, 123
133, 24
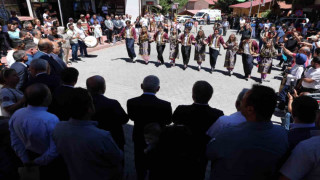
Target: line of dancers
248, 48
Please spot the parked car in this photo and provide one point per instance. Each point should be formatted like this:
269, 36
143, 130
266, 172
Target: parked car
183, 19
213, 13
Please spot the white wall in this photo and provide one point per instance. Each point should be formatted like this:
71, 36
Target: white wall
132, 8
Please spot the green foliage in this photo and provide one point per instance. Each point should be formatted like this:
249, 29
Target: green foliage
266, 14
224, 5
166, 4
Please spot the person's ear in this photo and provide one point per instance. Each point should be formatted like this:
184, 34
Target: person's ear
158, 89
141, 86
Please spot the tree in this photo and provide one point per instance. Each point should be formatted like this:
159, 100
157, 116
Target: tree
224, 5
167, 4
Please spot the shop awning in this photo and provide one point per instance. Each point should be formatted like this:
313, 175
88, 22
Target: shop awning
25, 18
248, 4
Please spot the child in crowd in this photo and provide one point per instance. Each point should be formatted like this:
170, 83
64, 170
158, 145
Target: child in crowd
98, 32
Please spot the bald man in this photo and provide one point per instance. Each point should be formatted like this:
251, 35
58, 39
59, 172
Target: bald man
108, 112
45, 47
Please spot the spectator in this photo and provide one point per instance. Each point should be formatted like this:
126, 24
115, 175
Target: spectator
295, 74
11, 99
61, 96
28, 26
94, 18
36, 36
189, 115
31, 133
31, 49
4, 42
74, 36
117, 26
303, 162
55, 54
83, 24
228, 121
17, 45
13, 32
108, 112
237, 152
70, 22
14, 18
110, 29
142, 111
174, 156
104, 9
311, 78
102, 159
225, 26
52, 12
40, 73
45, 49
20, 67
65, 45
45, 16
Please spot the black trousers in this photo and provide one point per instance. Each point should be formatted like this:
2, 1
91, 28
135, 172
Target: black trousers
83, 48
224, 31
109, 34
186, 50
140, 160
130, 48
160, 49
247, 61
213, 57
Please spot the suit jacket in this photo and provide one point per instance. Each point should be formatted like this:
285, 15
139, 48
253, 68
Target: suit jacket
198, 118
51, 81
147, 109
22, 72
110, 116
59, 105
55, 67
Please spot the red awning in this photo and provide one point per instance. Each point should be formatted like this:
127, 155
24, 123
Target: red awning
248, 4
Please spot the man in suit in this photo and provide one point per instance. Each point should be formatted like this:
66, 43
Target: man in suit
45, 48
20, 57
40, 73
60, 105
198, 117
108, 112
143, 110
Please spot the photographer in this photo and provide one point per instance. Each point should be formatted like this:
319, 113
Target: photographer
295, 74
311, 78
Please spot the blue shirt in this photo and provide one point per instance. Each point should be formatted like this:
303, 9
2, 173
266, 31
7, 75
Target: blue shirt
31, 129
232, 150
89, 152
280, 33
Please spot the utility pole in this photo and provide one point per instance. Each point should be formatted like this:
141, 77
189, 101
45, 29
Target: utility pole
250, 9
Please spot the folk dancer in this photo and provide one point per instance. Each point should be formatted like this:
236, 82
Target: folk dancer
265, 64
214, 41
144, 44
160, 38
130, 36
231, 55
249, 49
200, 48
186, 39
174, 46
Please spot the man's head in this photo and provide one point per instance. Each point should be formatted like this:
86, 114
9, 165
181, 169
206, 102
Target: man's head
55, 23
216, 31
20, 56
54, 30
38, 95
316, 62
70, 26
240, 98
259, 103
247, 38
39, 66
202, 92
56, 48
45, 45
36, 33
81, 105
94, 16
304, 109
151, 84
128, 23
31, 48
28, 26
79, 24
96, 85
316, 52
305, 50
69, 76
82, 17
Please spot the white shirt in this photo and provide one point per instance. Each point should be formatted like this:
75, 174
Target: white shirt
242, 22
144, 22
80, 31
72, 34
10, 59
246, 49
314, 74
295, 74
224, 122
159, 38
185, 40
45, 16
213, 46
128, 32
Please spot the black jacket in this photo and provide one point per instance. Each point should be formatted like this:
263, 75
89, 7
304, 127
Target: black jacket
110, 116
51, 81
22, 72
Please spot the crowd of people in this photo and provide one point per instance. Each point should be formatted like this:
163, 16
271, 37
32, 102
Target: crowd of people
51, 127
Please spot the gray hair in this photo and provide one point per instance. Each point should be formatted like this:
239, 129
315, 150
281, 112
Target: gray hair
30, 45
26, 24
151, 83
307, 50
241, 94
39, 64
35, 31
18, 55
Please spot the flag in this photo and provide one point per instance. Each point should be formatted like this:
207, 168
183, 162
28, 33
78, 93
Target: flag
263, 2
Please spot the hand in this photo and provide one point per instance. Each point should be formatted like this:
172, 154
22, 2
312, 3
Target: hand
295, 94
289, 96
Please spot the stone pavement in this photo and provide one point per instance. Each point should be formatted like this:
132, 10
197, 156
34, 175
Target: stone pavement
123, 79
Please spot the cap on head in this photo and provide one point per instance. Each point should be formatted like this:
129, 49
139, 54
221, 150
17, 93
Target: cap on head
301, 59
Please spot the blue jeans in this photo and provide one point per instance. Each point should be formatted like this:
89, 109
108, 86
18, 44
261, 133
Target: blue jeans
74, 48
283, 98
130, 48
83, 48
